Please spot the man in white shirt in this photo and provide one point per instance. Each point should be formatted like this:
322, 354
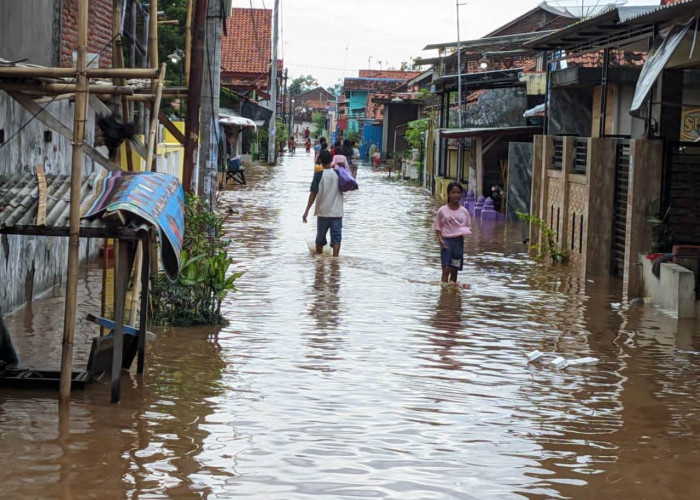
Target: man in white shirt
329, 205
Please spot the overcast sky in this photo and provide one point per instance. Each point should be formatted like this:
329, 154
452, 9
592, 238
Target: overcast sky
330, 39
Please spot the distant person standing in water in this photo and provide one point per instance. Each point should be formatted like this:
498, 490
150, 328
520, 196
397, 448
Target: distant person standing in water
452, 224
329, 205
355, 160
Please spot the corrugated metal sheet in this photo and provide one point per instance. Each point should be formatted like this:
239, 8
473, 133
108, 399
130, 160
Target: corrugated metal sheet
19, 200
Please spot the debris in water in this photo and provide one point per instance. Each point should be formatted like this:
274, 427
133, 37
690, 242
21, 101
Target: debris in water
534, 356
559, 363
583, 361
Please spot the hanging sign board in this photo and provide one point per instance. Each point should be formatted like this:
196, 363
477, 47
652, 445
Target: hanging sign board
690, 124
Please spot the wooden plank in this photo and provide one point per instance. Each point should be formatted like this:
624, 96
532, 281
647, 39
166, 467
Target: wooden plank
109, 324
170, 126
41, 211
51, 121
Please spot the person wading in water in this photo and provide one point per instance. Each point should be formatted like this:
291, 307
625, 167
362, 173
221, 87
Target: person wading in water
329, 205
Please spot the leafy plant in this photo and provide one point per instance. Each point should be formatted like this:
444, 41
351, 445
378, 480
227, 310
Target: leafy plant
661, 234
352, 135
414, 131
319, 122
204, 280
551, 248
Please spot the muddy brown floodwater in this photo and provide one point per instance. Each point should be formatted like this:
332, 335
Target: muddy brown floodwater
362, 378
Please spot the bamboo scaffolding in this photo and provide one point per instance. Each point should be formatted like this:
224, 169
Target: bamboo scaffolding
29, 85
118, 62
80, 119
67, 88
51, 121
46, 72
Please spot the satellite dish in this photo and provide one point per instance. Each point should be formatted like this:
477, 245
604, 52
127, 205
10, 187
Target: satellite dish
580, 9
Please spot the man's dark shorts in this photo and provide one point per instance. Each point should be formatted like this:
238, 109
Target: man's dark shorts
323, 224
453, 255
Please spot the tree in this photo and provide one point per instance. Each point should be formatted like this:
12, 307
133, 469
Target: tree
301, 84
336, 89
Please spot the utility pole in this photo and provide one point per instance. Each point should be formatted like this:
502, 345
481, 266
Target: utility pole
272, 142
285, 96
460, 157
209, 118
459, 71
194, 95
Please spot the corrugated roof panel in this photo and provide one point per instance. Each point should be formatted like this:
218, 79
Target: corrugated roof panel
19, 199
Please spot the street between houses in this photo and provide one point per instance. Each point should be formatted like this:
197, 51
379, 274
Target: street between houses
362, 377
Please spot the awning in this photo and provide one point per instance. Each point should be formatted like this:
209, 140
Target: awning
238, 121
659, 55
486, 131
612, 28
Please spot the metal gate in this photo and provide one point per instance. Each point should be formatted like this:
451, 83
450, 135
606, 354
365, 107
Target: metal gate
371, 134
622, 173
681, 185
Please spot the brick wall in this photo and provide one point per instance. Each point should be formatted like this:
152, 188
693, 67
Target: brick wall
99, 31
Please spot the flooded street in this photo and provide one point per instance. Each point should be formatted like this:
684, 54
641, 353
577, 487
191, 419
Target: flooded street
361, 377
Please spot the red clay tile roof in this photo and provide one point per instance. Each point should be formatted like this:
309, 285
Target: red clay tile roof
247, 47
617, 58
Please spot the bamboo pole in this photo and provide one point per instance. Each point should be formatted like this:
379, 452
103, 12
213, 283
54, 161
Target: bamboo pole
188, 41
80, 120
103, 297
136, 290
153, 33
118, 62
150, 154
43, 72
67, 88
154, 120
143, 319
122, 270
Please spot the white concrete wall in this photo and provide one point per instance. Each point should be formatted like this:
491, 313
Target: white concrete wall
673, 291
22, 257
625, 123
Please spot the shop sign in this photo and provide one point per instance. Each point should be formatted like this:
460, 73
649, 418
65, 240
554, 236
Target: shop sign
690, 126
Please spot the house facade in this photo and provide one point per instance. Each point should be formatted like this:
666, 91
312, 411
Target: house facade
624, 182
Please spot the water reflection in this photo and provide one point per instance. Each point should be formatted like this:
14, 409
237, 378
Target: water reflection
360, 376
324, 302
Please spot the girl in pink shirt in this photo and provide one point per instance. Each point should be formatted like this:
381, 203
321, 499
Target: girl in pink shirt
452, 223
